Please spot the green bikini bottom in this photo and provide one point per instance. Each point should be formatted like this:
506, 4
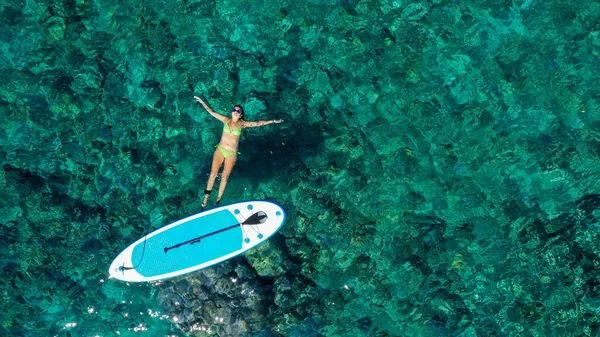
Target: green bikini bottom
226, 153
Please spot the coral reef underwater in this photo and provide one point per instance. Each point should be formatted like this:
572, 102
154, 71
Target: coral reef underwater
439, 164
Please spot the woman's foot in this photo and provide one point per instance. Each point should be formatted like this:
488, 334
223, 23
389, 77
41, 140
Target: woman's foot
217, 202
206, 196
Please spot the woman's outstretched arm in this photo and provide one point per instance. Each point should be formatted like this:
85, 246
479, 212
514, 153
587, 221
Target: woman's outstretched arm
248, 124
210, 111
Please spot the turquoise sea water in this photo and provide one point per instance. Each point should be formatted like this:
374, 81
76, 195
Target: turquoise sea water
439, 164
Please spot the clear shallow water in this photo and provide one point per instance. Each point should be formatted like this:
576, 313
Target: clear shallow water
439, 165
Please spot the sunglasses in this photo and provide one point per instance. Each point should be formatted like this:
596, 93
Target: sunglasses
236, 110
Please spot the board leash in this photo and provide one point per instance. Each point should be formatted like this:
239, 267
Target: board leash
122, 268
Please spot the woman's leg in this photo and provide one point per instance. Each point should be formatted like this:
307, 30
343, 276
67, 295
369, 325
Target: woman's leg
214, 171
229, 164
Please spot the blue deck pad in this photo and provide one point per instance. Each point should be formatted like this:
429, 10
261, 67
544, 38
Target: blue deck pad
157, 262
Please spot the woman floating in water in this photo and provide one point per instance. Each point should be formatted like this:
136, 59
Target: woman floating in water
227, 148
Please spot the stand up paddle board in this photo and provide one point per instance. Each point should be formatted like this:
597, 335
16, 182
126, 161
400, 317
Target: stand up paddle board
198, 241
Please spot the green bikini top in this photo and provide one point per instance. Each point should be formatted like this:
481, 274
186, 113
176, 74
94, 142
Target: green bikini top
236, 132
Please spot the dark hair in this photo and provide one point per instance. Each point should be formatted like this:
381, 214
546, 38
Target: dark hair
241, 108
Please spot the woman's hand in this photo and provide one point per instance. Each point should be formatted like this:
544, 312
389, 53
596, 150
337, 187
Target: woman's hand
277, 121
199, 100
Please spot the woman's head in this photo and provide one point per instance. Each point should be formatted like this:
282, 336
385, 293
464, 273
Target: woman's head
238, 112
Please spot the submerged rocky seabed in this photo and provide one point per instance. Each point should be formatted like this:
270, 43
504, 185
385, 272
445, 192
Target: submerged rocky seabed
438, 163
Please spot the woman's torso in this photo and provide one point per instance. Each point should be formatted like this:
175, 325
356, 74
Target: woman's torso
230, 138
